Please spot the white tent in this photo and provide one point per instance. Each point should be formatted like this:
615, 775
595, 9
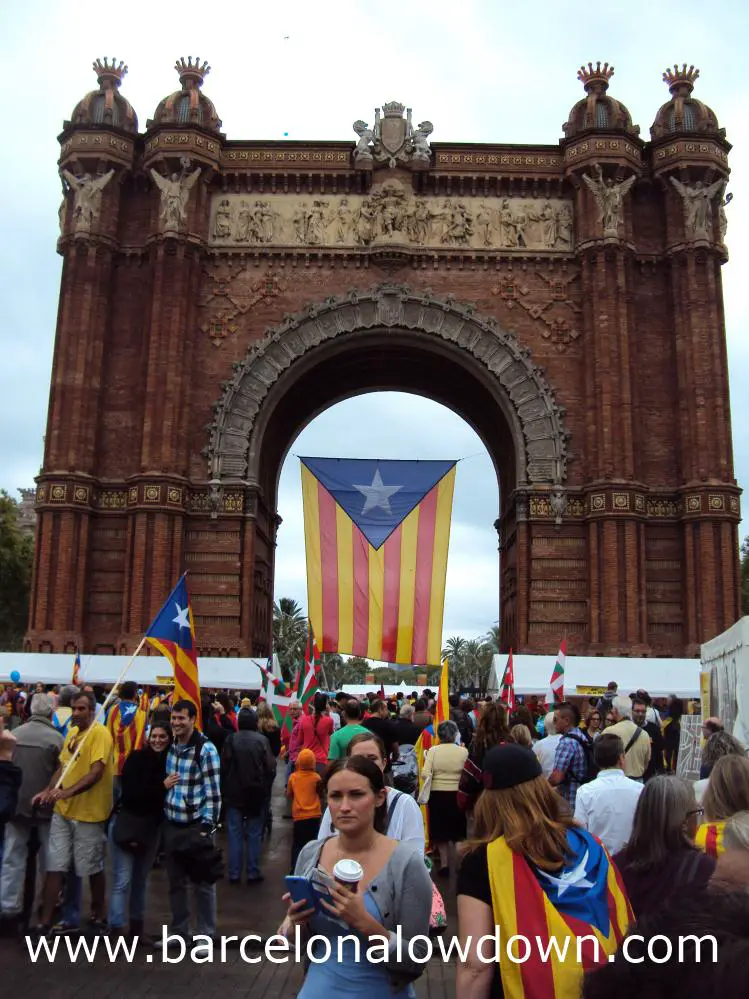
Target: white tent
51, 667
660, 677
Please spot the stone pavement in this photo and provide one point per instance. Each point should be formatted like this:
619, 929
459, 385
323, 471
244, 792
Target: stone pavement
242, 910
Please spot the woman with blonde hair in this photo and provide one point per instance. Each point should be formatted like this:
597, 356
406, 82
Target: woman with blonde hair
533, 873
521, 735
727, 793
269, 727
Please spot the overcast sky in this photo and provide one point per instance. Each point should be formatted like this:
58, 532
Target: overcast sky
481, 71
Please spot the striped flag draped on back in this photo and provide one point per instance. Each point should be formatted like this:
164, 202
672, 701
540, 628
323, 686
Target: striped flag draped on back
376, 536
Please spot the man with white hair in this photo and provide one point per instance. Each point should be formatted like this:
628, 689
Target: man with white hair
546, 748
635, 741
37, 750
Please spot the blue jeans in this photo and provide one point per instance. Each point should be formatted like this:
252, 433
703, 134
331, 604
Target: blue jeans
129, 876
71, 900
244, 832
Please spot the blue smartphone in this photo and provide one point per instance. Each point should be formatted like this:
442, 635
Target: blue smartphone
302, 889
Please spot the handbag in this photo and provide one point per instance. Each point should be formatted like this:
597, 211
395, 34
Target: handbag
134, 833
426, 783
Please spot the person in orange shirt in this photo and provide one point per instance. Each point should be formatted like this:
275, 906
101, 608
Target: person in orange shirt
306, 810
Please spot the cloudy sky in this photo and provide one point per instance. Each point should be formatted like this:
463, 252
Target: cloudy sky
482, 71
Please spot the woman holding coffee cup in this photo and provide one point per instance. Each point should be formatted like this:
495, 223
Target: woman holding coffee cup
377, 886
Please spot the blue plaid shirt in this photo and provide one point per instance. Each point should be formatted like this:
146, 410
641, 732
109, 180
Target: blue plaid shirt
570, 759
197, 795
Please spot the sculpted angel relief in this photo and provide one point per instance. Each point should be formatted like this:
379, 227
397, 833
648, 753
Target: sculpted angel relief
390, 214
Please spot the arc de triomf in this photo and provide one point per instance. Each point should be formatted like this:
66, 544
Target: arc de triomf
565, 299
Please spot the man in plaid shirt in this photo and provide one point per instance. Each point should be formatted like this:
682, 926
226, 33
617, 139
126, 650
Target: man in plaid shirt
570, 760
193, 801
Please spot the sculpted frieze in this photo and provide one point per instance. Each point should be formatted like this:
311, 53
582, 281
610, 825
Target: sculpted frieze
391, 215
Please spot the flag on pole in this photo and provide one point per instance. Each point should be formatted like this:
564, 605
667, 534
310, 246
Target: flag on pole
507, 693
429, 738
310, 682
76, 669
555, 695
172, 633
376, 537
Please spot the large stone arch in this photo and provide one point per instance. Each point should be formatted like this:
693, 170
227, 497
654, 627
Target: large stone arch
387, 315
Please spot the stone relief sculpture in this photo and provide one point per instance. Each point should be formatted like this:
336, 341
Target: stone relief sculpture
175, 191
725, 199
86, 198
391, 214
393, 139
697, 201
610, 199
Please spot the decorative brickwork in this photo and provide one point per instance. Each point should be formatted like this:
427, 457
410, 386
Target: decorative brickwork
565, 300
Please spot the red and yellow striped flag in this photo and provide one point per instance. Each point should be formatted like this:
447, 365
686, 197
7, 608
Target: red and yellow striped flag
377, 535
172, 633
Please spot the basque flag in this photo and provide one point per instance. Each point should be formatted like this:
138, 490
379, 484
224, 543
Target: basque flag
172, 633
377, 535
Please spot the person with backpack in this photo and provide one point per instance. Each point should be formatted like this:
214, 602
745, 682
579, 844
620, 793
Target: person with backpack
191, 811
573, 763
636, 742
248, 769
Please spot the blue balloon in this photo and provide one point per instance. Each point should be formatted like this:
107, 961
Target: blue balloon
15, 676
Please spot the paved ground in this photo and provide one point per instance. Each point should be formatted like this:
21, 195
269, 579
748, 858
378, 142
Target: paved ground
242, 910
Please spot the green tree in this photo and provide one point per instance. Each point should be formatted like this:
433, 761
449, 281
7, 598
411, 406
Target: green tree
16, 558
745, 576
454, 652
491, 639
289, 635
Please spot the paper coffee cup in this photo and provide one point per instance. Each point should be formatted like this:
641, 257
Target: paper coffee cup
349, 873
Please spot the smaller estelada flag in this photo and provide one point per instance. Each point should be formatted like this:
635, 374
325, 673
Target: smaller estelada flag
507, 694
555, 695
172, 633
76, 670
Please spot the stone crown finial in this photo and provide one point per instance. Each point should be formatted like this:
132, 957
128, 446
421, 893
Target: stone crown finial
681, 81
595, 76
191, 73
109, 75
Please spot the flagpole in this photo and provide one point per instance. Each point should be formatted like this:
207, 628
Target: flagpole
108, 699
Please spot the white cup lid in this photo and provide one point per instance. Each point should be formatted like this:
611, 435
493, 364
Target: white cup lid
348, 870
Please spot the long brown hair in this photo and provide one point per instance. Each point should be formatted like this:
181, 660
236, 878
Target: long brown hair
728, 788
531, 816
491, 730
266, 721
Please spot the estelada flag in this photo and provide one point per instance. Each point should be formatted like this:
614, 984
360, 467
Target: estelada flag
76, 670
172, 632
581, 907
377, 535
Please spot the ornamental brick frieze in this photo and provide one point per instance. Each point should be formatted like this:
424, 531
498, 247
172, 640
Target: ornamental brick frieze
391, 214
84, 145
547, 299
55, 493
538, 420
231, 294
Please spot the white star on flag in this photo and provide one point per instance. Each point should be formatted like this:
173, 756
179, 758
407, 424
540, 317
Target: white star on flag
570, 879
182, 619
377, 496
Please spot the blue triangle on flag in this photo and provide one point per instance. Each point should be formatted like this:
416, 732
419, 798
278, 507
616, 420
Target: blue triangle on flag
377, 494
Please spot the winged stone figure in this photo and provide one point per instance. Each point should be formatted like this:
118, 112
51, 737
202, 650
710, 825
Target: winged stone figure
175, 192
86, 197
609, 198
697, 200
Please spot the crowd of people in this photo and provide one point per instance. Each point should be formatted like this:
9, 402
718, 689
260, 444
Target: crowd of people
578, 810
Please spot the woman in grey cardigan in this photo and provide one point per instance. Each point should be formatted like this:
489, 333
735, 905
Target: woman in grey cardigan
390, 907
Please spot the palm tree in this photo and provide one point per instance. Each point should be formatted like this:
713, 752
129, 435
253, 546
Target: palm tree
492, 638
476, 656
289, 634
454, 652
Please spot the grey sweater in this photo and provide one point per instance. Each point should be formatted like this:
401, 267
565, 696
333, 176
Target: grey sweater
403, 892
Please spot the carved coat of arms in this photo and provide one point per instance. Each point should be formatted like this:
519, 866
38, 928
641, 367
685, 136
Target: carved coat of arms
393, 139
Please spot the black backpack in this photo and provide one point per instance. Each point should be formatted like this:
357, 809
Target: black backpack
591, 770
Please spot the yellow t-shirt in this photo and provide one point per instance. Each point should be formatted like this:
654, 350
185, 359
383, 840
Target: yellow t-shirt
95, 804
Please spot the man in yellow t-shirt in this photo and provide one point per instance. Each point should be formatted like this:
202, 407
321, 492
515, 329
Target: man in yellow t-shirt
83, 803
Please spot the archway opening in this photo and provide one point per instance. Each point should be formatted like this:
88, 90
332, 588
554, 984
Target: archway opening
403, 425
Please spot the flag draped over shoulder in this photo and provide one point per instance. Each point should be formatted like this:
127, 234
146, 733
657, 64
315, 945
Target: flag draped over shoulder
555, 695
172, 633
585, 899
127, 725
376, 536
